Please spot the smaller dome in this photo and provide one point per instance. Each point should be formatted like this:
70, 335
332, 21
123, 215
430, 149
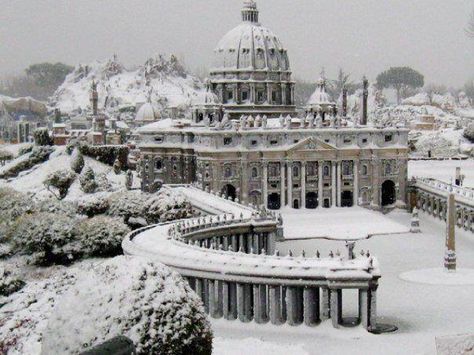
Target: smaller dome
320, 95
147, 113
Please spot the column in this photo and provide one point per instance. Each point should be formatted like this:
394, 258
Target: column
339, 183
364, 308
291, 307
275, 305
320, 185
336, 307
260, 304
244, 183
265, 184
333, 184
269, 93
289, 170
282, 183
326, 303
356, 183
311, 305
303, 184
373, 309
283, 94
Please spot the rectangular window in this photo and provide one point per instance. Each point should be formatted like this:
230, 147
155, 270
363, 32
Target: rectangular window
158, 165
364, 140
274, 96
260, 96
347, 140
227, 140
274, 142
245, 95
230, 95
388, 138
254, 142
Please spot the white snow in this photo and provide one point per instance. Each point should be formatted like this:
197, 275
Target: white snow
439, 276
337, 223
443, 170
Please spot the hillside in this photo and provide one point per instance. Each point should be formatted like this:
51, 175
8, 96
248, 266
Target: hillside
165, 81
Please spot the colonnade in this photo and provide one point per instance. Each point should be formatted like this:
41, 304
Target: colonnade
287, 181
280, 304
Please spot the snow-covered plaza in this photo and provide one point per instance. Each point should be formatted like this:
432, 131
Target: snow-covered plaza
421, 312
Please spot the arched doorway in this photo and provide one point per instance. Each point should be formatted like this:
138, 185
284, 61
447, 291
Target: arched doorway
274, 202
296, 204
311, 200
347, 199
388, 193
229, 191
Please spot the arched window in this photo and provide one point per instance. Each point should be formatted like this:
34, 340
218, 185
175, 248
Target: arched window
364, 170
346, 169
227, 172
295, 171
326, 171
388, 169
254, 172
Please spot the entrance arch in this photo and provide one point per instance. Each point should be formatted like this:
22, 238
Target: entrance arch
388, 193
229, 191
347, 199
274, 201
311, 200
296, 204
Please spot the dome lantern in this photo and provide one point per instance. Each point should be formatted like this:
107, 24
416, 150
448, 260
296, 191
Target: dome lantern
250, 11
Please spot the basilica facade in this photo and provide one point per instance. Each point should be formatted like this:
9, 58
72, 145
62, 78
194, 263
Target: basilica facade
249, 144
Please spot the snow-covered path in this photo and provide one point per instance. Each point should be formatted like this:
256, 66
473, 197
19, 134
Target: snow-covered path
421, 312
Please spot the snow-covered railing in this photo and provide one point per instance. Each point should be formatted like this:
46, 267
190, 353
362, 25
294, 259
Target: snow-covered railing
431, 197
260, 287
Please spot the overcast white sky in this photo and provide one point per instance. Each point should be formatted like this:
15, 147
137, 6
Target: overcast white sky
362, 36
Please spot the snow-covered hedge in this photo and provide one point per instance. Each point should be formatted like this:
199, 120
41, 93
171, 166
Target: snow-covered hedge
106, 154
60, 180
52, 205
37, 155
126, 205
100, 236
26, 149
469, 132
46, 236
13, 204
41, 137
138, 298
167, 205
87, 180
77, 161
9, 284
92, 206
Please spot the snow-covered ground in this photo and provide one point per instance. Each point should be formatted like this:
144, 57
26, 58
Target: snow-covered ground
442, 170
337, 223
421, 312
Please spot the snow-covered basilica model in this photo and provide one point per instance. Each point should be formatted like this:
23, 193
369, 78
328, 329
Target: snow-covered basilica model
247, 142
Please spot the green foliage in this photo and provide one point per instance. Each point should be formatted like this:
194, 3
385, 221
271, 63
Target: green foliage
44, 235
9, 284
93, 206
87, 180
48, 75
106, 154
117, 166
469, 132
24, 150
77, 161
400, 78
60, 180
38, 155
100, 236
5, 155
41, 137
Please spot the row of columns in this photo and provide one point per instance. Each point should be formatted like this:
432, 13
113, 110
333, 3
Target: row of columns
278, 304
249, 243
286, 192
236, 90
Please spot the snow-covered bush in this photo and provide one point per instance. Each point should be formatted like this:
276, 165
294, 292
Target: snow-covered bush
9, 284
24, 314
92, 206
117, 166
469, 132
126, 205
100, 236
106, 154
143, 300
77, 161
37, 155
60, 180
13, 204
87, 180
52, 205
103, 183
46, 236
25, 150
41, 137
5, 155
167, 205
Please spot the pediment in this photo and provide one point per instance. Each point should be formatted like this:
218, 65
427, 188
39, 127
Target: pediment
311, 144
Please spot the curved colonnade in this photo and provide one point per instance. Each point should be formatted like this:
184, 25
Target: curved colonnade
231, 263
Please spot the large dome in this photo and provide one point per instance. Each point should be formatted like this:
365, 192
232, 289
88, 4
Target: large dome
251, 46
